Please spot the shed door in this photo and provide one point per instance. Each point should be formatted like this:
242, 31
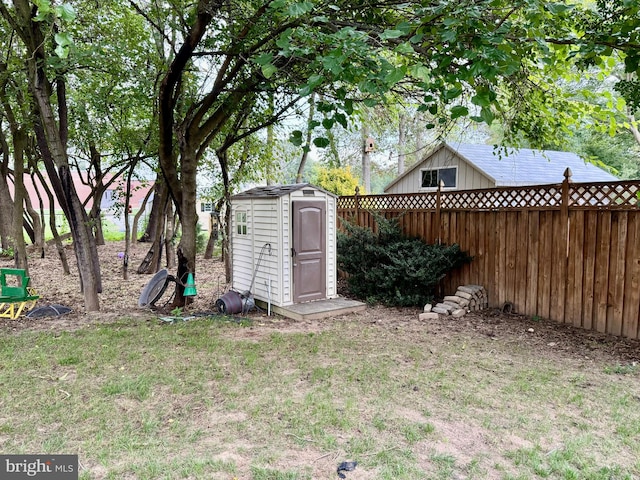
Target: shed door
309, 253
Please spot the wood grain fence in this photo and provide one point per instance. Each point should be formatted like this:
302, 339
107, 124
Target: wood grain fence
568, 252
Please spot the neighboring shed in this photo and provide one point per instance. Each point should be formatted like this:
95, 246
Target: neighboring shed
285, 236
468, 167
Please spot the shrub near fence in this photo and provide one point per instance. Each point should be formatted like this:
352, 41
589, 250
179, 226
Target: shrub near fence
568, 252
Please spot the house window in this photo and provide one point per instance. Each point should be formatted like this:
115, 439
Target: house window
206, 207
431, 178
241, 223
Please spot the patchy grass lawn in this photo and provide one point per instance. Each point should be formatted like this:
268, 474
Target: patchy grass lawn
262, 399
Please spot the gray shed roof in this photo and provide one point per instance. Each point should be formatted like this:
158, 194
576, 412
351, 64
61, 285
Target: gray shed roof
275, 191
529, 167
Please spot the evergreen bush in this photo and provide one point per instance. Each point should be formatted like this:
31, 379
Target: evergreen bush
391, 268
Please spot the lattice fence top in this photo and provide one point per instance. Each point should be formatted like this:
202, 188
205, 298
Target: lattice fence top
624, 195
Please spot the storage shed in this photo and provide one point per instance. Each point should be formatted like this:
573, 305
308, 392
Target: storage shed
283, 244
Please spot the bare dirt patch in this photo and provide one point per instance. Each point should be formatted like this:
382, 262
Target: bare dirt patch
120, 298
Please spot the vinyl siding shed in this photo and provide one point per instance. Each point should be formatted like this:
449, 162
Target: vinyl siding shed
291, 264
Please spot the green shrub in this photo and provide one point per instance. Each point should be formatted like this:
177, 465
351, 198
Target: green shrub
390, 268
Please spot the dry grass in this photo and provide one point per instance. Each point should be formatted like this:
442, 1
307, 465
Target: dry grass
269, 398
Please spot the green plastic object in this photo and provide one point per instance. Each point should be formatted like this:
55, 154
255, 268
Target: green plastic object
190, 287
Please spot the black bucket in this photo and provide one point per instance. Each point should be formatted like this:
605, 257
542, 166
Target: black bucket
230, 302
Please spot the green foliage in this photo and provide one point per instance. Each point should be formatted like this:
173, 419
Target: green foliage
388, 267
337, 180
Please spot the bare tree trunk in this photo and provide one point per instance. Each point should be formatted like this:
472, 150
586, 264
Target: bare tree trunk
156, 217
6, 202
366, 161
402, 134
19, 247
305, 151
52, 141
138, 215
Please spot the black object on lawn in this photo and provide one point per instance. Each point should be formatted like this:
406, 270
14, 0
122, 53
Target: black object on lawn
346, 467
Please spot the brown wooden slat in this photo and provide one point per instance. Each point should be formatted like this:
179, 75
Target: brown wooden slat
522, 249
575, 270
464, 242
601, 274
616, 272
631, 309
589, 269
544, 270
501, 263
491, 284
533, 250
558, 268
511, 253
479, 263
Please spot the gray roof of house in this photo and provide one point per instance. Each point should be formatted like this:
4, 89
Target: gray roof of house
529, 167
275, 191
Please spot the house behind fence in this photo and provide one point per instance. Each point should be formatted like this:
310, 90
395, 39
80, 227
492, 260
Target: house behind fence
569, 252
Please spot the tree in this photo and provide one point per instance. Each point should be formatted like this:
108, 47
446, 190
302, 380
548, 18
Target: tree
32, 27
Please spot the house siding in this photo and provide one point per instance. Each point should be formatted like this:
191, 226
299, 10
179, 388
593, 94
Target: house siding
468, 177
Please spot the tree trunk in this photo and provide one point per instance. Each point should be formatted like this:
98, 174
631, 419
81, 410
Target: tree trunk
305, 152
19, 248
366, 161
138, 215
402, 134
151, 262
52, 141
188, 222
6, 202
156, 217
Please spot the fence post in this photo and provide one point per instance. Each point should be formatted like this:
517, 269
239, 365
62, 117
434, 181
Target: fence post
356, 199
438, 222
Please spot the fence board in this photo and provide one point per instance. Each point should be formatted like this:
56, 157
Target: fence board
500, 239
533, 240
575, 268
491, 284
544, 272
589, 269
511, 252
616, 272
522, 248
631, 309
601, 273
558, 267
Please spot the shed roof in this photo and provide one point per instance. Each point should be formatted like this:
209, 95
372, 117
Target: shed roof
525, 166
275, 191
522, 166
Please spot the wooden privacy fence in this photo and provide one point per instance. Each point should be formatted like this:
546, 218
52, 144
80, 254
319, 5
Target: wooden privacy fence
569, 252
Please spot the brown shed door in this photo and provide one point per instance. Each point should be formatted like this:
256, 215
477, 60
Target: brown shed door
309, 256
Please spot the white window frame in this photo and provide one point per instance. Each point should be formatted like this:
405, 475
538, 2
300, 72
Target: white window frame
422, 170
241, 222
